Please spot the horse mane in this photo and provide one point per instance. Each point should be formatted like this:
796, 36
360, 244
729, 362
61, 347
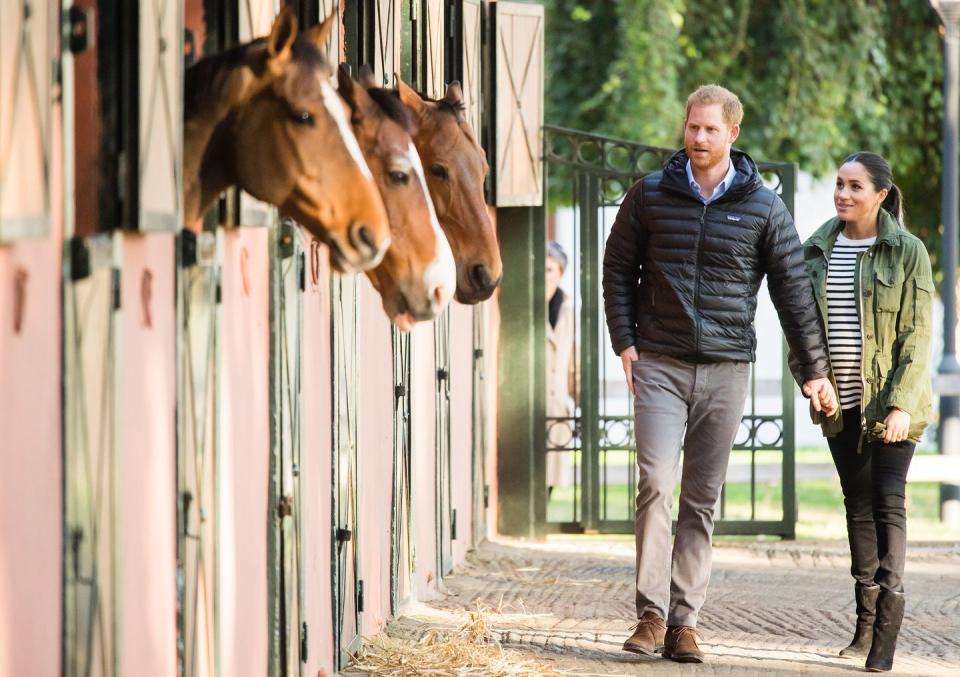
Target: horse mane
205, 81
391, 105
455, 109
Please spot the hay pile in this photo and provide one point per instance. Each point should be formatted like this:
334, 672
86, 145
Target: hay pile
469, 650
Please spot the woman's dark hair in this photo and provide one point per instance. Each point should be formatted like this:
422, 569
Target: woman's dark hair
878, 169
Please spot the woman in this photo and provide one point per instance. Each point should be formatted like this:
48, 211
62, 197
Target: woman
561, 380
874, 288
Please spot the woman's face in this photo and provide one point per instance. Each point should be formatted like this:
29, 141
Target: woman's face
554, 273
854, 195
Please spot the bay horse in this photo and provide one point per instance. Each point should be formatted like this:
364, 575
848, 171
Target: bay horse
264, 116
417, 276
456, 168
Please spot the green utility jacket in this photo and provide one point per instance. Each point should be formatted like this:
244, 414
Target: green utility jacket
894, 290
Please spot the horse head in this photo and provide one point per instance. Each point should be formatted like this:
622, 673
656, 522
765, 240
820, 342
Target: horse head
265, 116
456, 168
417, 276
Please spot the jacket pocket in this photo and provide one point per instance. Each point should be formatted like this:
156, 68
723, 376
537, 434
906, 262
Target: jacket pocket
889, 290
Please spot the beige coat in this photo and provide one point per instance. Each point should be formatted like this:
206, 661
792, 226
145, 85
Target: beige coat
561, 393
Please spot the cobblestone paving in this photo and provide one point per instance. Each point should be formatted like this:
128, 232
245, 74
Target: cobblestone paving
772, 608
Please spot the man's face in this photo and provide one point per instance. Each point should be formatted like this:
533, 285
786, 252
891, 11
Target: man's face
707, 138
554, 273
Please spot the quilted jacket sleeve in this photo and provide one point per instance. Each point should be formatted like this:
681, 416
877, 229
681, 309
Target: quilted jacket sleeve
621, 271
782, 260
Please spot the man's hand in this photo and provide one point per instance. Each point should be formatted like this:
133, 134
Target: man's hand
821, 395
897, 426
628, 357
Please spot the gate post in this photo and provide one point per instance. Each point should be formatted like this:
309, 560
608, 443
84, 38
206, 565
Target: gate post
522, 385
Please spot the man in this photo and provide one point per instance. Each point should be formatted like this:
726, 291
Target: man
699, 236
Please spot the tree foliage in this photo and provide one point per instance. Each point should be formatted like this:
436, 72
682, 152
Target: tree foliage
818, 79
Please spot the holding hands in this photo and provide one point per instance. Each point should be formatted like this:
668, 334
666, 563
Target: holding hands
896, 426
821, 394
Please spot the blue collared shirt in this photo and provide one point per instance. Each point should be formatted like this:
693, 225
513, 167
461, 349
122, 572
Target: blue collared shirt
721, 188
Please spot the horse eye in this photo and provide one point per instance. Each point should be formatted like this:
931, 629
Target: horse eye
303, 118
439, 171
399, 177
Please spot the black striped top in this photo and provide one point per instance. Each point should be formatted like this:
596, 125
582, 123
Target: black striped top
843, 320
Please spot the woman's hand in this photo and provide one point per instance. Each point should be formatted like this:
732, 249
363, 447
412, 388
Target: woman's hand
628, 357
897, 426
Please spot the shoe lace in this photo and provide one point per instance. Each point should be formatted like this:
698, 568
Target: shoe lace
681, 630
651, 620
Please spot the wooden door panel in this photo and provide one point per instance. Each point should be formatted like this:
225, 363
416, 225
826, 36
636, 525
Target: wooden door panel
27, 51
519, 110
160, 105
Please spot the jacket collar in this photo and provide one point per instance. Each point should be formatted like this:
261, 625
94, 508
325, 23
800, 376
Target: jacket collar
746, 181
888, 231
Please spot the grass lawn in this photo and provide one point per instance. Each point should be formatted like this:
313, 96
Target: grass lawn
820, 506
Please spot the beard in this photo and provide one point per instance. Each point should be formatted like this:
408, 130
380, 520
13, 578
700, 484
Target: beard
711, 158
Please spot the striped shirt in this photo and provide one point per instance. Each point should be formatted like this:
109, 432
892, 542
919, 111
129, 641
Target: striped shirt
843, 320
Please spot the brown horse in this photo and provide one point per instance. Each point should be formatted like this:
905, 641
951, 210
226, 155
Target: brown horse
456, 168
264, 116
417, 277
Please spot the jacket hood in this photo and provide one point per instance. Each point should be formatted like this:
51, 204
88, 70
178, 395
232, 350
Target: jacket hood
746, 181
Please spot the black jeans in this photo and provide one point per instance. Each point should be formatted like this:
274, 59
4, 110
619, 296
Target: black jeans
874, 486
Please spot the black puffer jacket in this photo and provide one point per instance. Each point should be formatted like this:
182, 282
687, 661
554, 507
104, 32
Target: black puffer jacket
699, 269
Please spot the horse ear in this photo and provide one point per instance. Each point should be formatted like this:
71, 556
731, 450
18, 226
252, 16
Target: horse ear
410, 98
345, 82
320, 34
454, 95
367, 78
282, 35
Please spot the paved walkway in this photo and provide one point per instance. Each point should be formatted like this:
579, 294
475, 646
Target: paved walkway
773, 608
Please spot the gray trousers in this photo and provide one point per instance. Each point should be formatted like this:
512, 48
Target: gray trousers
700, 406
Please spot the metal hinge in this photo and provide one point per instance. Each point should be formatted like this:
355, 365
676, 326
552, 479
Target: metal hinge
285, 507
414, 10
302, 265
79, 29
188, 248
219, 293
399, 391
442, 374
360, 595
486, 496
304, 645
453, 524
79, 259
477, 353
115, 277
343, 535
287, 238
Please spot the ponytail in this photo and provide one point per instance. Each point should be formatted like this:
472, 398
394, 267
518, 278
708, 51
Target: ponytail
893, 203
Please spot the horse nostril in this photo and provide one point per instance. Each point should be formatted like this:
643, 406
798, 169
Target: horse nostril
480, 276
362, 237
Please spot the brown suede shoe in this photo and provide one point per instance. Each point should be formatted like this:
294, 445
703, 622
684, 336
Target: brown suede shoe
680, 644
647, 637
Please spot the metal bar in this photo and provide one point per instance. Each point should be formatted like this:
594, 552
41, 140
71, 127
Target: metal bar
588, 192
949, 431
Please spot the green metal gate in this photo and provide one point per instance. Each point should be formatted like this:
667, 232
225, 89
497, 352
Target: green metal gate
402, 551
287, 283
347, 586
590, 446
198, 450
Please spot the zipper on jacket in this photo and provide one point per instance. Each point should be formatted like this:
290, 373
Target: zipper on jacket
696, 291
863, 381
